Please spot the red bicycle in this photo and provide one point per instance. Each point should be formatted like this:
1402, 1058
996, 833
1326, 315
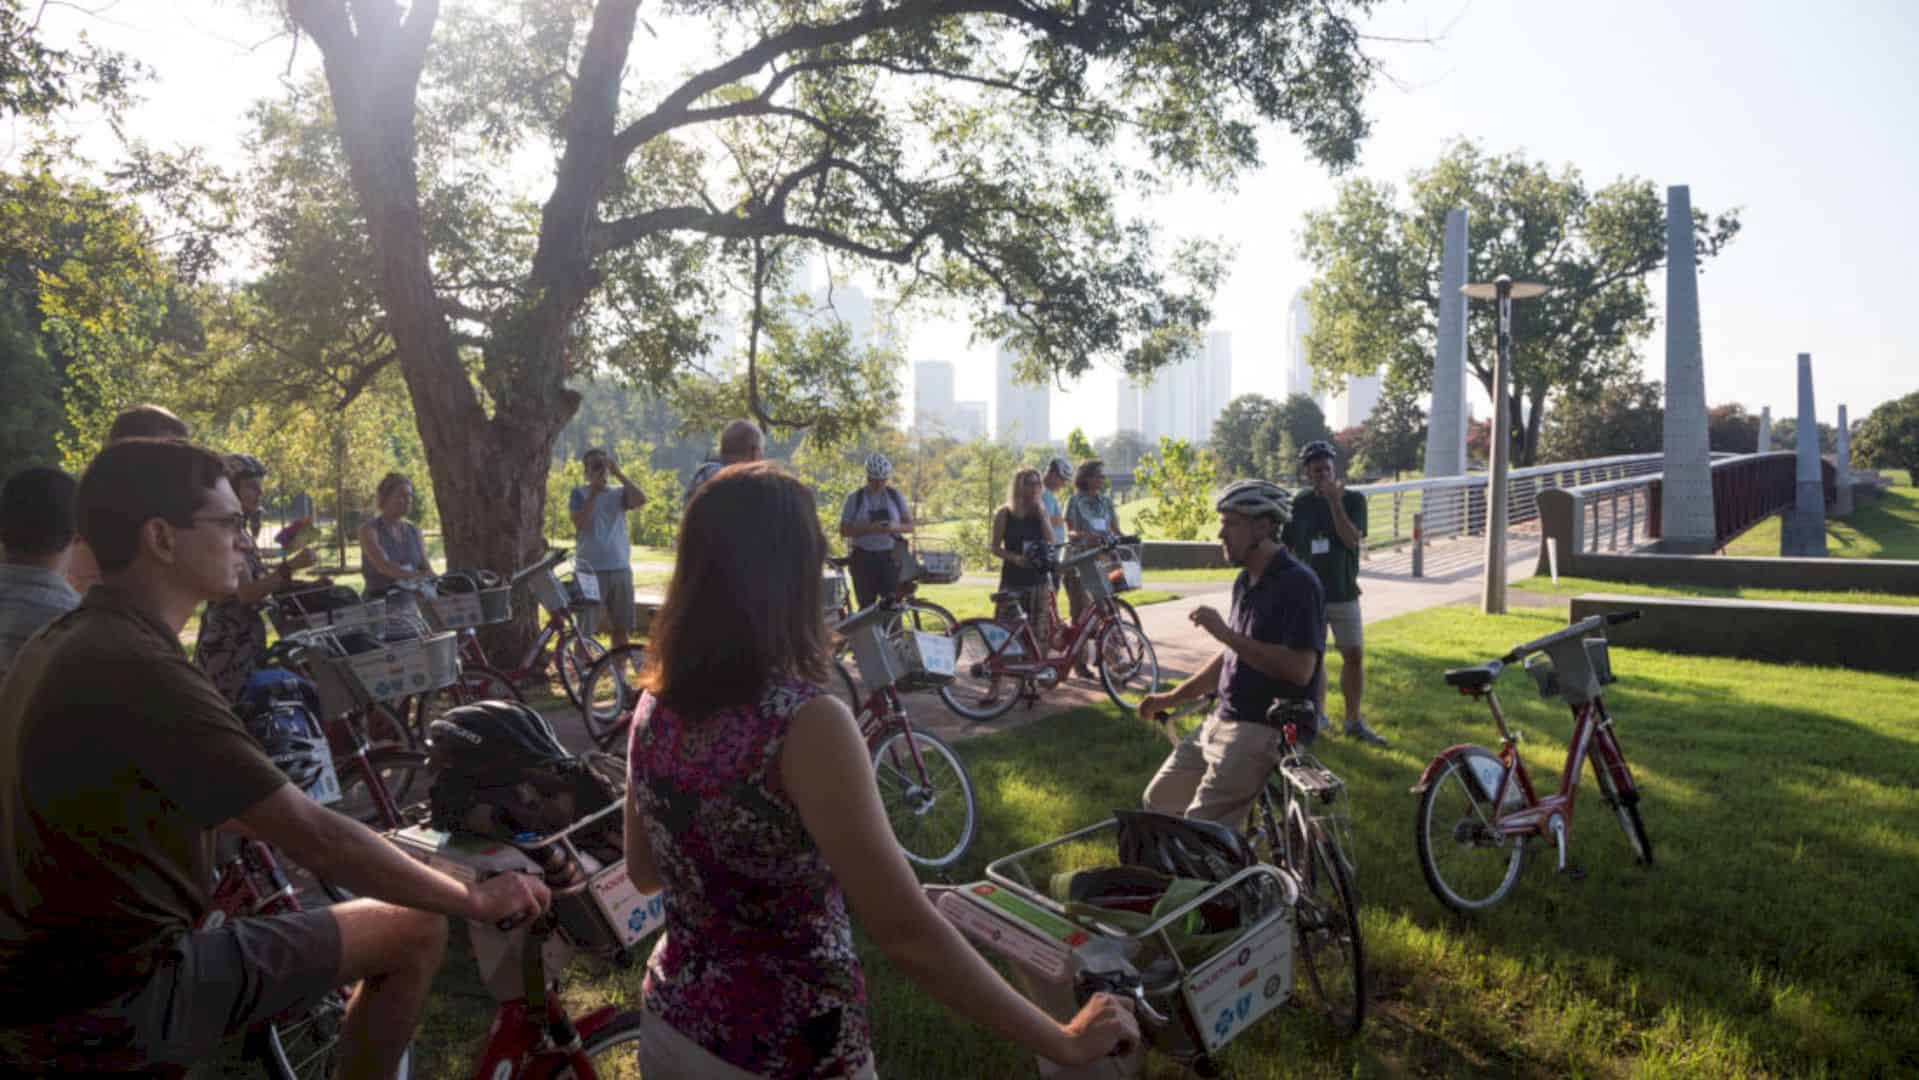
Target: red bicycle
562, 643
1478, 811
1002, 660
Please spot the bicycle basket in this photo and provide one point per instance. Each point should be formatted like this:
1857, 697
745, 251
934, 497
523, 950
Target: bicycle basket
1599, 655
1541, 669
832, 593
363, 669
1123, 573
939, 567
336, 606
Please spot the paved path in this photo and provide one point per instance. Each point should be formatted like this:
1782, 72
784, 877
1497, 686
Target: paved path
1453, 577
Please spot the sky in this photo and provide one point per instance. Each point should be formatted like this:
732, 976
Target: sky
1804, 117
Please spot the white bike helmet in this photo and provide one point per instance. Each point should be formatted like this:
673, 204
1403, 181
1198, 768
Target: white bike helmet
1257, 498
1061, 468
877, 466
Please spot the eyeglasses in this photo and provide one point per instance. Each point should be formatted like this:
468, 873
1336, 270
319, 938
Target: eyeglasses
233, 523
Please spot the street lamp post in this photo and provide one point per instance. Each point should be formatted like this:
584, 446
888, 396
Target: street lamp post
1504, 290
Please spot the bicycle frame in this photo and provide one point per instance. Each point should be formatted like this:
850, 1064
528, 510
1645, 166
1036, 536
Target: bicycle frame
1550, 815
1093, 616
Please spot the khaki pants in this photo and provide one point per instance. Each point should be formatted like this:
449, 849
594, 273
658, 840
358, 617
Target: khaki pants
1215, 773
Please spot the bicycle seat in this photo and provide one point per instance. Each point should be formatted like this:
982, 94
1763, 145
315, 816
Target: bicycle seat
839, 561
1474, 678
1006, 597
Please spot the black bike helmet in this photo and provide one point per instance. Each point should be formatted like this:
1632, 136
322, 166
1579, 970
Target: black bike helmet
1318, 448
493, 739
240, 466
1181, 846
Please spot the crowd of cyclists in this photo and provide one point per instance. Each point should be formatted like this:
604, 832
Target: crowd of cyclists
750, 794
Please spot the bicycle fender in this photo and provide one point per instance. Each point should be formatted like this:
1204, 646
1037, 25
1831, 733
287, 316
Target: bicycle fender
1439, 762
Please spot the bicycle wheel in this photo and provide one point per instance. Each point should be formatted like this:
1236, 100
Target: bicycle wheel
304, 1046
1128, 669
474, 684
1467, 864
926, 617
1328, 927
928, 797
1126, 612
614, 1049
574, 657
1266, 823
978, 691
612, 689
396, 771
1625, 804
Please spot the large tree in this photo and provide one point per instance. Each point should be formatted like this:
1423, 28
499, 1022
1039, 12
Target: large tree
1375, 301
970, 149
1622, 417
1889, 437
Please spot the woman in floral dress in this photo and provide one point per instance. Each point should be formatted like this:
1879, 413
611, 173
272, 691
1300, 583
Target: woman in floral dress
233, 637
752, 803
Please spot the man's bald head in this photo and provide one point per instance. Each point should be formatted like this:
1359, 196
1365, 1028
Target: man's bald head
742, 441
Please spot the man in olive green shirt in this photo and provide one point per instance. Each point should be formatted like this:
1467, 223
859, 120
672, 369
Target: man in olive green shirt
118, 761
1326, 532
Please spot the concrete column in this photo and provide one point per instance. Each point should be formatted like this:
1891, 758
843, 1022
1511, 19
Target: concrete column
1686, 495
1804, 534
1765, 428
1446, 420
1842, 482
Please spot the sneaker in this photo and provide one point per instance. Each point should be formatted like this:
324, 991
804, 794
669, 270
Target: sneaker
1358, 730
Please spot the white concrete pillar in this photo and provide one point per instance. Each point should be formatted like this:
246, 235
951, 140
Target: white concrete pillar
1685, 493
1842, 465
1446, 420
1765, 428
1804, 532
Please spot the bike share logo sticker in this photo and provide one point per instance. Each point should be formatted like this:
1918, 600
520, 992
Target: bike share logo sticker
1273, 986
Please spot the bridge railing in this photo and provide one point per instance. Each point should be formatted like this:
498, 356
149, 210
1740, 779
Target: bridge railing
1456, 505
1625, 514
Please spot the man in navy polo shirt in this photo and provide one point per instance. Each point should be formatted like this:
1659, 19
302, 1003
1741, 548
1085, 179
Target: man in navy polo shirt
1272, 646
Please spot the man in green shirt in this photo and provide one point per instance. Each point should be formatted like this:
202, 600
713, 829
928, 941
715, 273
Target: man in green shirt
118, 761
1326, 533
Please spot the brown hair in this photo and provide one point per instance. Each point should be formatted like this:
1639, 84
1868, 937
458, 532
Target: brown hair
147, 422
134, 481
1087, 468
389, 484
1012, 489
743, 607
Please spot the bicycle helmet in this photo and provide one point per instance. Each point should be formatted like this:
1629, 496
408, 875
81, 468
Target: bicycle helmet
1061, 468
280, 710
1257, 498
1318, 448
1186, 847
240, 466
493, 738
877, 466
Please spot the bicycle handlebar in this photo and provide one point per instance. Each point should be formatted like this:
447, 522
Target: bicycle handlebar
1578, 629
552, 559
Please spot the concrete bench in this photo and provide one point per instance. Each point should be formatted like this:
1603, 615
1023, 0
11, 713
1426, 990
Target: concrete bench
1863, 637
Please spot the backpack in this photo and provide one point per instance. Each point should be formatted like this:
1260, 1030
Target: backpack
501, 772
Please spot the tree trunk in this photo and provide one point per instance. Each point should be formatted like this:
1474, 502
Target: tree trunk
1529, 441
489, 474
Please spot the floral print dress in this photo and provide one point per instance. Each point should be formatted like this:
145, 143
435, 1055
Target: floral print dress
233, 636
756, 963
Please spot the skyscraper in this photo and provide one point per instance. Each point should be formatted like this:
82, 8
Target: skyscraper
1298, 373
1127, 417
969, 420
1022, 412
933, 405
1354, 405
1215, 385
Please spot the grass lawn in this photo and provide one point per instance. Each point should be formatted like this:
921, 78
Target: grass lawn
1570, 586
1767, 940
1886, 528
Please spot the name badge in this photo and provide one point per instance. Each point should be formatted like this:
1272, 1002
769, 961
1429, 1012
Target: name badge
1322, 545
1097, 525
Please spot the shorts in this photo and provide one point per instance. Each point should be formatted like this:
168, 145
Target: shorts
1343, 620
1216, 772
210, 986
616, 598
